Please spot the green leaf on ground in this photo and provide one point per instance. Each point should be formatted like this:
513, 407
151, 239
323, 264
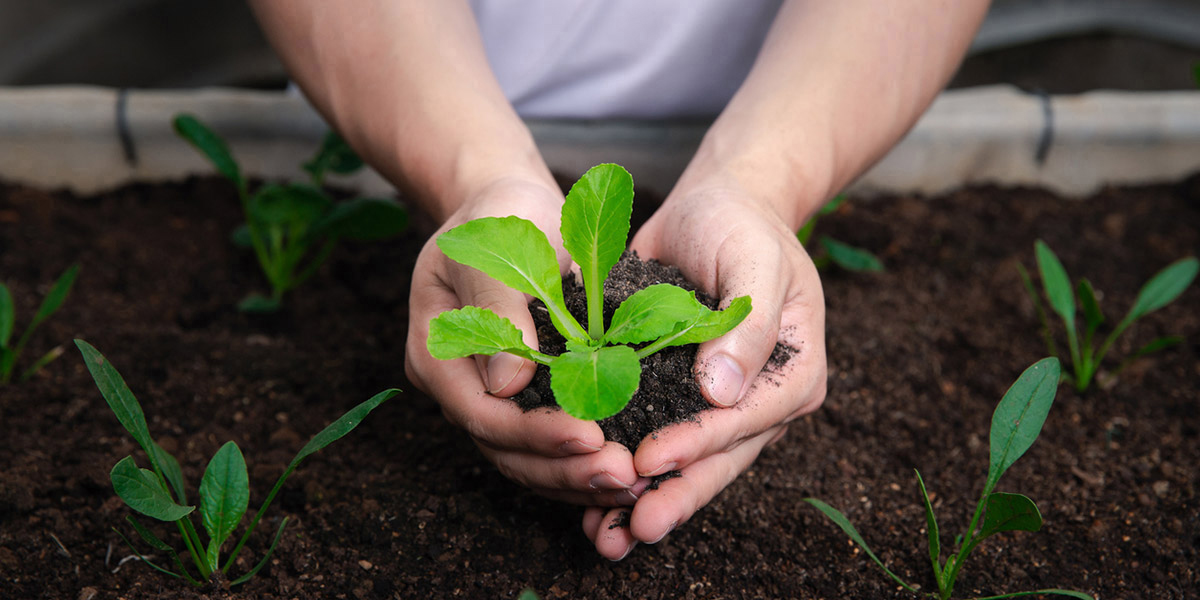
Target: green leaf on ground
851, 258
210, 145
1009, 512
142, 491
224, 497
1020, 414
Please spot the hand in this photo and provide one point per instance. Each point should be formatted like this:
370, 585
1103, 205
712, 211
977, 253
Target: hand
730, 244
549, 451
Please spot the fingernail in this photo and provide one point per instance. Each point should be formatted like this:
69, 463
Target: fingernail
577, 447
605, 481
627, 551
626, 498
723, 380
663, 468
501, 370
670, 528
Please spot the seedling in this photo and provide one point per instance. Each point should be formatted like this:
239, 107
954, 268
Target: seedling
293, 227
600, 371
50, 304
1016, 423
841, 254
1161, 290
224, 489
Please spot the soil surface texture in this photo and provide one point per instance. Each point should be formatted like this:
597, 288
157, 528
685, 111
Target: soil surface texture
406, 507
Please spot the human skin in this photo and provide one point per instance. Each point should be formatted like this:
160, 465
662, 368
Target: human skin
835, 85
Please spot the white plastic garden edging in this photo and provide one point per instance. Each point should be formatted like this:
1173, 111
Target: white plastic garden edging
90, 139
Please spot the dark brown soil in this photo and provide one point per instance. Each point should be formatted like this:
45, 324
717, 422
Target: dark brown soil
405, 507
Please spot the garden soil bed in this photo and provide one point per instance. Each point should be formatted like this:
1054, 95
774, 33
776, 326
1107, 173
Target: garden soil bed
405, 507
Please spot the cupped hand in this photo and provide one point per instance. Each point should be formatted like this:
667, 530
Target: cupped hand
547, 450
730, 244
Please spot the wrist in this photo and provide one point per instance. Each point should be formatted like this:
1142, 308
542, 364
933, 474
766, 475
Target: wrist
790, 178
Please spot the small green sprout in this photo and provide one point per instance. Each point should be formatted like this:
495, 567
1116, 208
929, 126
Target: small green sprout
841, 254
600, 371
1016, 423
224, 489
293, 227
1161, 290
50, 304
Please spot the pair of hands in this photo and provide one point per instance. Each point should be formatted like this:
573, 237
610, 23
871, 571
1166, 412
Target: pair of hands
727, 243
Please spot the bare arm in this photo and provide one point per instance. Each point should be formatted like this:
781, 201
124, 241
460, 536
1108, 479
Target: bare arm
408, 84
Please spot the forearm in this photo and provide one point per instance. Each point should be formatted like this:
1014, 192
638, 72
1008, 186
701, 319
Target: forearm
408, 85
836, 84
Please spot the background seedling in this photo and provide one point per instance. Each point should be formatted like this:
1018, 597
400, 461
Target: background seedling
293, 227
600, 371
50, 304
224, 489
841, 254
1016, 423
1161, 290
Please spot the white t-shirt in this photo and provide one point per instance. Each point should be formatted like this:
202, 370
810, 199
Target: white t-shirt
638, 59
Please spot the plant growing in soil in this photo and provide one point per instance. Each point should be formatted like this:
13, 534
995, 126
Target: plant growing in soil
293, 227
841, 254
1161, 290
8, 316
1016, 424
224, 490
600, 371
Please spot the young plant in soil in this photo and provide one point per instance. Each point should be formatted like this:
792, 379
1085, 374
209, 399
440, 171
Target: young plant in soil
224, 490
1016, 424
1161, 290
841, 254
8, 317
599, 372
293, 227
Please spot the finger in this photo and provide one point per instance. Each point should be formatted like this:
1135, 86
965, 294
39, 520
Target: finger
660, 511
608, 529
610, 469
780, 394
462, 395
607, 499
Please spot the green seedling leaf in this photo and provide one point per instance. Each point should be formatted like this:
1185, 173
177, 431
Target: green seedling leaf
8, 359
831, 207
597, 384
651, 313
143, 492
931, 528
147, 560
1009, 512
1057, 284
210, 145
149, 537
332, 433
1092, 315
266, 557
8, 316
806, 231
1164, 287
343, 425
516, 253
334, 155
850, 258
1156, 345
118, 396
240, 236
224, 497
528, 594
1020, 414
57, 295
171, 471
707, 326
595, 226
473, 330
290, 205
259, 304
841, 521
363, 220
42, 361
1050, 591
